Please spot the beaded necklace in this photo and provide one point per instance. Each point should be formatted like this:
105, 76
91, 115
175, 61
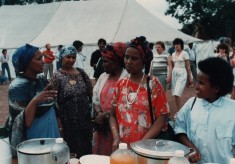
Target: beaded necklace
133, 95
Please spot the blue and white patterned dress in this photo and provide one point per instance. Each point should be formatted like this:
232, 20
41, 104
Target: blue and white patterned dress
21, 92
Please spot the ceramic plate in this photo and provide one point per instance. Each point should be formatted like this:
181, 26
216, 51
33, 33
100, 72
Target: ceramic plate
97, 159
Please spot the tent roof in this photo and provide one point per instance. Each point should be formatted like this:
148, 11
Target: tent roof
64, 22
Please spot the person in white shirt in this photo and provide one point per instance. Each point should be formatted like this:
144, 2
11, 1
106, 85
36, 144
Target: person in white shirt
160, 64
4, 58
181, 71
80, 57
58, 63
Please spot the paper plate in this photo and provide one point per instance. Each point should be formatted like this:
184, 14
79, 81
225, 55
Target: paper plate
97, 159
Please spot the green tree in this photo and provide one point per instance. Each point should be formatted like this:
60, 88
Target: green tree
213, 17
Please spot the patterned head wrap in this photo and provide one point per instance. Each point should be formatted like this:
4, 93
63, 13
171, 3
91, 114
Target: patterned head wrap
136, 44
115, 52
22, 57
141, 44
67, 50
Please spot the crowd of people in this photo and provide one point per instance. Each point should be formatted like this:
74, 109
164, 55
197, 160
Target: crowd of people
128, 102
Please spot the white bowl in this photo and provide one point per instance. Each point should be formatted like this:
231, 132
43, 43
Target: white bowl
96, 159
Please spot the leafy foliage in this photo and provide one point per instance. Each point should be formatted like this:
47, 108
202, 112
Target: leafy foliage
216, 17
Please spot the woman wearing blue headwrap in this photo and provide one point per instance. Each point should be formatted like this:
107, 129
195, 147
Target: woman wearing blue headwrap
30, 99
74, 90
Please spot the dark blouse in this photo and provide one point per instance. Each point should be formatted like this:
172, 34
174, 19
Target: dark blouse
74, 109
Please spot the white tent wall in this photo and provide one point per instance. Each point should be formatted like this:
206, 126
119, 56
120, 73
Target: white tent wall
114, 20
205, 49
64, 22
85, 20
21, 24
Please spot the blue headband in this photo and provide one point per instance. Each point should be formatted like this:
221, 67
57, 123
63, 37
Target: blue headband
22, 57
67, 50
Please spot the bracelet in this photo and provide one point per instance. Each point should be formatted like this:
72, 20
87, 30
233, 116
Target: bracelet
113, 127
60, 129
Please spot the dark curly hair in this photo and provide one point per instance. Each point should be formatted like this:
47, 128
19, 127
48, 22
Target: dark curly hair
77, 44
219, 72
141, 44
4, 50
222, 46
179, 41
101, 40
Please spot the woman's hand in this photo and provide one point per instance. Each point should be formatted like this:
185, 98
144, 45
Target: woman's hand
99, 119
30, 111
116, 142
190, 81
45, 96
168, 80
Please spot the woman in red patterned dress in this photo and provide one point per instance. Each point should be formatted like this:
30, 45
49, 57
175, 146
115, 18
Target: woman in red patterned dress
130, 119
113, 64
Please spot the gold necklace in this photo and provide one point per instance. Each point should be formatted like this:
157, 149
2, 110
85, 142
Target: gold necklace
133, 96
72, 80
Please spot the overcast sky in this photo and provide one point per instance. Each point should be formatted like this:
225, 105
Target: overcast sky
158, 8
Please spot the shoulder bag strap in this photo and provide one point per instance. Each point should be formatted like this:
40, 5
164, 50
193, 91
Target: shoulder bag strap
194, 100
150, 100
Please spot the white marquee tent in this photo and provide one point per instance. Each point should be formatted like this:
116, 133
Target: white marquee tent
64, 22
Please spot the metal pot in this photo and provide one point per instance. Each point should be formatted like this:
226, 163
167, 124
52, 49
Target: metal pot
36, 151
153, 151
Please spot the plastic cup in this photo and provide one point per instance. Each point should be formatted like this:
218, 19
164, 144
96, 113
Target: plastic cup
73, 161
5, 150
7, 160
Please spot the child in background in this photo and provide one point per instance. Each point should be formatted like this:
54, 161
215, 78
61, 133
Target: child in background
207, 124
